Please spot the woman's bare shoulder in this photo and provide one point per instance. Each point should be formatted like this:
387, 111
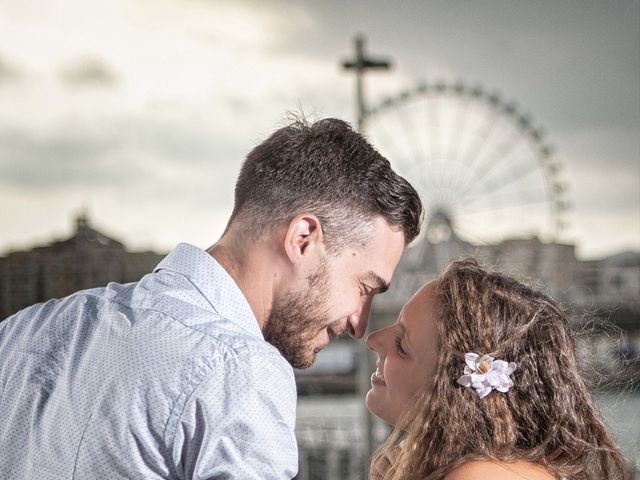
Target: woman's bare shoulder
480, 470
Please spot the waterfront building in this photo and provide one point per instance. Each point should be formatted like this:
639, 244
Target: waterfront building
87, 259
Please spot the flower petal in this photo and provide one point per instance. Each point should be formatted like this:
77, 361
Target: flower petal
483, 391
494, 377
467, 370
478, 379
470, 360
503, 388
500, 365
465, 380
510, 368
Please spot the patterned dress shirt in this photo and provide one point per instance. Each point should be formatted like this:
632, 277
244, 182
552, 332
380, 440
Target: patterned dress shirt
166, 378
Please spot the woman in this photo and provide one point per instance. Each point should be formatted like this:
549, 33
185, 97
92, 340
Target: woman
479, 377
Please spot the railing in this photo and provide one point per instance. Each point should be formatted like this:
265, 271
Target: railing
330, 463
330, 448
333, 447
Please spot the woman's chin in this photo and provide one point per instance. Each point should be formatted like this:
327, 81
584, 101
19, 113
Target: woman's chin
370, 402
373, 406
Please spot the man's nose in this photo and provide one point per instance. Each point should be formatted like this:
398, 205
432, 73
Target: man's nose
358, 321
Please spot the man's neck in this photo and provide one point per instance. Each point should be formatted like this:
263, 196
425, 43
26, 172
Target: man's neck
253, 271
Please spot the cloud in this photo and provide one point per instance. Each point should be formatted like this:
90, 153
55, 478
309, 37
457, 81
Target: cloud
156, 154
89, 72
57, 162
571, 67
8, 73
607, 187
186, 88
248, 25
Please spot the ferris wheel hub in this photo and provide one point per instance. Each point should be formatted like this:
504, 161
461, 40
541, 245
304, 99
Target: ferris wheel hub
439, 226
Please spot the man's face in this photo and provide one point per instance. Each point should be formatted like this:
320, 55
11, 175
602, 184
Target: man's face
335, 299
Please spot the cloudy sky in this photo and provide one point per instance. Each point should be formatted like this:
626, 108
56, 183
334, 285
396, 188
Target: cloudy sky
142, 111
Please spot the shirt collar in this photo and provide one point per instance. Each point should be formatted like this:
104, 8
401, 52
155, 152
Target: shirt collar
214, 283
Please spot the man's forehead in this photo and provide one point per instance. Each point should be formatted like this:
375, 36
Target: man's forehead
379, 256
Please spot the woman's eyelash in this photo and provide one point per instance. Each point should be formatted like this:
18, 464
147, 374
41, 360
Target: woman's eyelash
399, 345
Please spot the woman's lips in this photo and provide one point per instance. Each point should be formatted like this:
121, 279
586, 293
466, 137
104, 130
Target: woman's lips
378, 379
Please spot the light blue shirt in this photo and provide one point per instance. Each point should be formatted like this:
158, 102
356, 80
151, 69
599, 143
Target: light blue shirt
169, 377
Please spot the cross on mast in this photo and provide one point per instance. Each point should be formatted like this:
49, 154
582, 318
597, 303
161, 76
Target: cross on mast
360, 64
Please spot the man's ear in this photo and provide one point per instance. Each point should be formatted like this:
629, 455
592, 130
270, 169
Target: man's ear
303, 238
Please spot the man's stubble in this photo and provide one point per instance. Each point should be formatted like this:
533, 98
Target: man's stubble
296, 319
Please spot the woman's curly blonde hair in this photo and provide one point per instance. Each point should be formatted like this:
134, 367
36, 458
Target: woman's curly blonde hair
547, 417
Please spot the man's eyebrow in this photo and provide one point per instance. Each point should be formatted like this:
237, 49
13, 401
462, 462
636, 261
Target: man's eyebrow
380, 283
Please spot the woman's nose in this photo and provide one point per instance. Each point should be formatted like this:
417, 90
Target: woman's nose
372, 341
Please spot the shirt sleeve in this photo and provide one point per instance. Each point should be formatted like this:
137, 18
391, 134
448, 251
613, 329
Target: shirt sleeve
239, 422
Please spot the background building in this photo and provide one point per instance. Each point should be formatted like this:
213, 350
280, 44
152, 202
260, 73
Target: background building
87, 259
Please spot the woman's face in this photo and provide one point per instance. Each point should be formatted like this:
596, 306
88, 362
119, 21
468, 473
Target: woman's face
407, 356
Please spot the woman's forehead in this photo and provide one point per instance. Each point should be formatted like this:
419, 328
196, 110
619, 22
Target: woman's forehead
419, 307
427, 293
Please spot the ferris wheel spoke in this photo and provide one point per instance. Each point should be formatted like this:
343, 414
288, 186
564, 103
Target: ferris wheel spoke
464, 176
425, 181
382, 136
404, 121
431, 114
433, 120
482, 139
424, 129
379, 135
497, 229
511, 176
512, 197
460, 125
501, 156
457, 196
468, 234
509, 206
448, 140
458, 142
455, 133
517, 197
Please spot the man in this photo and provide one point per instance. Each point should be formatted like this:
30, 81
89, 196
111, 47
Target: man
187, 373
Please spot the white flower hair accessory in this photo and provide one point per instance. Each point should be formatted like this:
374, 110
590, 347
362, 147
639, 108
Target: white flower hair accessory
484, 373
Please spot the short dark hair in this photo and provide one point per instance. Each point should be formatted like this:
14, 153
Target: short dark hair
327, 169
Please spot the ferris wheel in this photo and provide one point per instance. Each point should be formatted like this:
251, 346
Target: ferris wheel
480, 165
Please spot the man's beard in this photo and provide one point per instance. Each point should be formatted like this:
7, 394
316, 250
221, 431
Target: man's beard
296, 319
